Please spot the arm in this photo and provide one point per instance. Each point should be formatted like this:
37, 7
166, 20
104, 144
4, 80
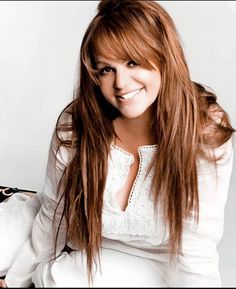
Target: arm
199, 261
40, 245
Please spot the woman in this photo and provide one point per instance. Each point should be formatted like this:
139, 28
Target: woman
139, 165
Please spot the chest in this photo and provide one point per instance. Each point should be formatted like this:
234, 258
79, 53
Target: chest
128, 207
124, 194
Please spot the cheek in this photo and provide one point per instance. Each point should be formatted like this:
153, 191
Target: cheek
106, 92
158, 85
152, 79
156, 82
105, 87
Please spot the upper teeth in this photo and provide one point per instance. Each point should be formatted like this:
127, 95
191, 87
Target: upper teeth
130, 94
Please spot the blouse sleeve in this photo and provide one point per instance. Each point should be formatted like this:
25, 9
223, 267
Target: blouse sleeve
40, 245
199, 261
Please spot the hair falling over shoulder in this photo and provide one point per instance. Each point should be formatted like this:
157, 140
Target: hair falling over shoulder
184, 122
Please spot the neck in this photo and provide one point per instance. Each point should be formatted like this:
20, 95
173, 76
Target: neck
134, 132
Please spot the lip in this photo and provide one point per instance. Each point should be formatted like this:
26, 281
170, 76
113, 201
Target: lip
130, 99
125, 95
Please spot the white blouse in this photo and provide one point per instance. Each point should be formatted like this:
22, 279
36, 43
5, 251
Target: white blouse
140, 229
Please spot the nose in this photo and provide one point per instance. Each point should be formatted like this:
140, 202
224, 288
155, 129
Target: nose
122, 78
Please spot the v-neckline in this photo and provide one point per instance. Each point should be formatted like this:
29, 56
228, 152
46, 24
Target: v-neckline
132, 191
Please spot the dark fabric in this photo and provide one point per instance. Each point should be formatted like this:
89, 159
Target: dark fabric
6, 192
31, 286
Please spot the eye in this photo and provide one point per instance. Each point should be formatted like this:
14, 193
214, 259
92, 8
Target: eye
132, 63
105, 70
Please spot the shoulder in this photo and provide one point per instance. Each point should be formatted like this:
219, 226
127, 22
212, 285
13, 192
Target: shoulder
60, 146
217, 140
215, 130
63, 127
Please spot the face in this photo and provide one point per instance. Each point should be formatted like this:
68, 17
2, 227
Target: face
129, 87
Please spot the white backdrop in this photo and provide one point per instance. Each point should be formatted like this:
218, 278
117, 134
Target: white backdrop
39, 48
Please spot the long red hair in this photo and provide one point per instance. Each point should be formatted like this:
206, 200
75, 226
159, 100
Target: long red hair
184, 110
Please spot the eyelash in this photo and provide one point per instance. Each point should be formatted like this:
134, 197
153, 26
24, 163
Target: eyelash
103, 71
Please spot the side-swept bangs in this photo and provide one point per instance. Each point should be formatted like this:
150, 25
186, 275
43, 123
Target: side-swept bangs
120, 40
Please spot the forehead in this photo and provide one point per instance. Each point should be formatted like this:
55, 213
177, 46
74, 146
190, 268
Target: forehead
109, 47
112, 49
107, 61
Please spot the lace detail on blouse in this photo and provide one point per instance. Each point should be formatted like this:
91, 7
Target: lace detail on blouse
140, 220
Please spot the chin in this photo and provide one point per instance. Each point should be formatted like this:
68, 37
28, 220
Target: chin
132, 115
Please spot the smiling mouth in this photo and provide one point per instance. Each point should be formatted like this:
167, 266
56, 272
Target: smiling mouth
129, 95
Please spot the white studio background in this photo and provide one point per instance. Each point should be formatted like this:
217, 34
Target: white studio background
39, 49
